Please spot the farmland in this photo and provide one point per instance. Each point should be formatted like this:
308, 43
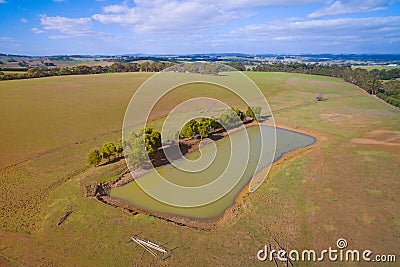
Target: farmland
346, 185
22, 62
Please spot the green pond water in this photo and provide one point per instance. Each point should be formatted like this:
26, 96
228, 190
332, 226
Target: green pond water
228, 149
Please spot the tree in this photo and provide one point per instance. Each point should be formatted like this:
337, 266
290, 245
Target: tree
119, 147
190, 129
204, 130
144, 143
108, 150
214, 124
82, 69
239, 113
237, 65
250, 113
144, 66
391, 88
137, 154
187, 131
152, 139
254, 112
93, 158
229, 119
97, 69
117, 67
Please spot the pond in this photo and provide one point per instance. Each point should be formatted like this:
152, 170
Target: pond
286, 142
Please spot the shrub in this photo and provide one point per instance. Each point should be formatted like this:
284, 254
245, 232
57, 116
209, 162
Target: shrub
93, 158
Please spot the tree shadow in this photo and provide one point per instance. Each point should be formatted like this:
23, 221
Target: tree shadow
114, 160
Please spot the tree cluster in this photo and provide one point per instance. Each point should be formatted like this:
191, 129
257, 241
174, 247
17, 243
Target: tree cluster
206, 126
390, 92
315, 69
370, 82
107, 151
146, 140
142, 145
200, 68
237, 65
202, 128
83, 69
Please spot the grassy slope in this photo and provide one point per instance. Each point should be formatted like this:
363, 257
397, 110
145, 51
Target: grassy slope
334, 189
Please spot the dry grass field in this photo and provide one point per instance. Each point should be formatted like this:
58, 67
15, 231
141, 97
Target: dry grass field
344, 186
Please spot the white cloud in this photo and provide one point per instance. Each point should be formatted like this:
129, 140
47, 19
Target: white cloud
69, 26
6, 39
342, 7
197, 25
58, 37
325, 25
232, 4
58, 1
3, 2
338, 33
36, 30
116, 8
165, 16
24, 20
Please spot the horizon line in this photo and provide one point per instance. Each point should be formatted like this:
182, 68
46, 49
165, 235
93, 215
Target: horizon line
200, 54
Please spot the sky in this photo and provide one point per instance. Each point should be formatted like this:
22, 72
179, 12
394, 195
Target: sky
115, 27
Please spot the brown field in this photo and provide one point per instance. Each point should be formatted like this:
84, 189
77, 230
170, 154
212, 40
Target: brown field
61, 111
344, 186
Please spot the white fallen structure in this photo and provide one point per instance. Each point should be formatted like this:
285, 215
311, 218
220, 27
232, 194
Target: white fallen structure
152, 248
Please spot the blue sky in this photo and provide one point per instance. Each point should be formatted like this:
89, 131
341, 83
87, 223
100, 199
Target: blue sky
49, 27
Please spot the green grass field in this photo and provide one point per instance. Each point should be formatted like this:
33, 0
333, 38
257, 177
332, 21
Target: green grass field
345, 186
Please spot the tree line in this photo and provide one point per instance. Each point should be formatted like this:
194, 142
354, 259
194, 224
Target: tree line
203, 127
147, 138
143, 144
200, 68
84, 69
107, 151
